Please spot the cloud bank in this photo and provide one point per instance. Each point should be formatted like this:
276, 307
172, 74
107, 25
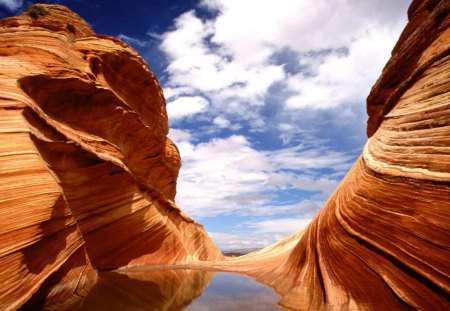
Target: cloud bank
266, 101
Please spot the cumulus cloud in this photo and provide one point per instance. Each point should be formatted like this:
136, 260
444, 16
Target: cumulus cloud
11, 5
179, 135
340, 47
259, 233
186, 106
229, 176
171, 93
342, 76
221, 122
303, 25
216, 174
196, 65
289, 77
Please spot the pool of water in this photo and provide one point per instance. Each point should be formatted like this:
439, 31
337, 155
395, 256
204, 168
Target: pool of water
177, 289
233, 292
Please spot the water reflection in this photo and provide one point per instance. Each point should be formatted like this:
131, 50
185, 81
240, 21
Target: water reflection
233, 292
179, 289
156, 290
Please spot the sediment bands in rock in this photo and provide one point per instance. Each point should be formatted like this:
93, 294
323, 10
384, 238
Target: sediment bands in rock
87, 173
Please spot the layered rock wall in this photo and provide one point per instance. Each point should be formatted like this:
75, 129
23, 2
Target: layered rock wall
87, 173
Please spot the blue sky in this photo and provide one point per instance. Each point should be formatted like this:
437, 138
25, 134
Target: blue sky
266, 99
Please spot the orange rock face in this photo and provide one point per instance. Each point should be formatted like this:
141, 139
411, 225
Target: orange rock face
87, 173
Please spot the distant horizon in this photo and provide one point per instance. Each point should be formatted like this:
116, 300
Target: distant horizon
266, 101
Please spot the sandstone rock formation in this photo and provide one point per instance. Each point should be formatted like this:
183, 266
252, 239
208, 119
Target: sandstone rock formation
87, 179
87, 173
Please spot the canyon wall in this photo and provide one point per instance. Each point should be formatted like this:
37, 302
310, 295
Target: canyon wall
87, 173
88, 178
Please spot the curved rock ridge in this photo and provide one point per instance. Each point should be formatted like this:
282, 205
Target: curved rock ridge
87, 173
382, 240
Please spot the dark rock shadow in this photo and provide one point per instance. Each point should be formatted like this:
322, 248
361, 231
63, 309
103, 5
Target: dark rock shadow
54, 231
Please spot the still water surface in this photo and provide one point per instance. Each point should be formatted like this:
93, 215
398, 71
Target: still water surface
178, 289
232, 292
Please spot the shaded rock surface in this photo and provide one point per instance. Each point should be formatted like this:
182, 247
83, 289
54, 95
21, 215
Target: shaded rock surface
87, 173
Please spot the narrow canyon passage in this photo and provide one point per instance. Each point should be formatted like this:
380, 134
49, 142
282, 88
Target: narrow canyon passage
88, 184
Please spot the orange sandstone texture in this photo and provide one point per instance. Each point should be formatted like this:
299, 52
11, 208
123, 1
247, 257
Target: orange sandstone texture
87, 173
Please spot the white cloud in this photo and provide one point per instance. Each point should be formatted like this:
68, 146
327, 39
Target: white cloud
176, 91
221, 122
294, 72
341, 46
131, 40
304, 182
186, 106
179, 135
283, 226
310, 157
249, 28
11, 5
243, 240
215, 176
343, 77
195, 64
259, 234
229, 176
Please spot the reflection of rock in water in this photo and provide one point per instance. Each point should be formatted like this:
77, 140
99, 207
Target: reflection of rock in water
236, 292
173, 290
156, 290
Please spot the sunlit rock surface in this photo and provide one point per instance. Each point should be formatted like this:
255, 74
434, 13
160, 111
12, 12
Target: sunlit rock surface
87, 173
